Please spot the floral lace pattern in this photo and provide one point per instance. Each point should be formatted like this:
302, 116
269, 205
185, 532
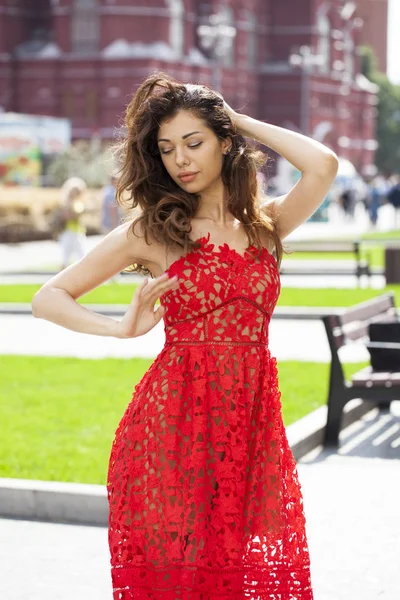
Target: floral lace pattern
205, 502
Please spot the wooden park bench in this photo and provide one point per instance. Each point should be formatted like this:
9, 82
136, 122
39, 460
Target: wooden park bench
374, 386
361, 265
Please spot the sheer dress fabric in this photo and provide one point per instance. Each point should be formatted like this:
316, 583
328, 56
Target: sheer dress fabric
204, 497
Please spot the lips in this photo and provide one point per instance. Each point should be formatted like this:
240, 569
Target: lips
186, 177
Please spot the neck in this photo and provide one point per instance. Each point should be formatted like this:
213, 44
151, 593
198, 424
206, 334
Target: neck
214, 206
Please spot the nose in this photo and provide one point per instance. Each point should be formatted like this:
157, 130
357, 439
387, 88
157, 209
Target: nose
181, 157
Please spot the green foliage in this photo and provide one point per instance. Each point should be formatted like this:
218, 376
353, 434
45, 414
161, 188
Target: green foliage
388, 122
388, 126
369, 63
85, 159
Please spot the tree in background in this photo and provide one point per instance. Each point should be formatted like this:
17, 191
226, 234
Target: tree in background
388, 122
84, 159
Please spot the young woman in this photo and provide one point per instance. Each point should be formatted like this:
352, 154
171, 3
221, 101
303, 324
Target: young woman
204, 497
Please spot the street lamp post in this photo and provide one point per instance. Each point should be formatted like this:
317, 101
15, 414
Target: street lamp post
216, 36
306, 60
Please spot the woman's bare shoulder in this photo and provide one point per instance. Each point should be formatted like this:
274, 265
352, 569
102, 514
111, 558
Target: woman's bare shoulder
143, 251
117, 251
152, 254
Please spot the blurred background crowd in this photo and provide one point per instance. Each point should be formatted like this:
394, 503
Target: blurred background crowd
69, 67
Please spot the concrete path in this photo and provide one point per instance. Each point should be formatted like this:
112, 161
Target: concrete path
29, 256
351, 507
47, 561
289, 340
377, 282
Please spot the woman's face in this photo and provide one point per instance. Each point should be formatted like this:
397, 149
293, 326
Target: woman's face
188, 146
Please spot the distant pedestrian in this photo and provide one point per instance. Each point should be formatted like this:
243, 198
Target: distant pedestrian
73, 232
393, 197
347, 202
110, 214
376, 194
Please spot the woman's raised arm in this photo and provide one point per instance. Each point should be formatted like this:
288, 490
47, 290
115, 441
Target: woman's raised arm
317, 163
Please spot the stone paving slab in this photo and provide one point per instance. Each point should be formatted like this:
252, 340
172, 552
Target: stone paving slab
344, 282
351, 507
47, 561
31, 255
28, 256
353, 528
289, 340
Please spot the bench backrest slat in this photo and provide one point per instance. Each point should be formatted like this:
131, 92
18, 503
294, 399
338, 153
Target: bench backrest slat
368, 309
359, 329
353, 324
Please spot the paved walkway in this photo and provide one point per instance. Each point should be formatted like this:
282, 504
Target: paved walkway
351, 507
289, 340
40, 255
28, 262
302, 340
328, 280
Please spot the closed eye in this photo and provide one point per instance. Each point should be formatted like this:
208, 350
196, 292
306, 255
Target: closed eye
190, 146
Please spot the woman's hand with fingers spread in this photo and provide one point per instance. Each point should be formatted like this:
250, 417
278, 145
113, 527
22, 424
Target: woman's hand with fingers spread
141, 316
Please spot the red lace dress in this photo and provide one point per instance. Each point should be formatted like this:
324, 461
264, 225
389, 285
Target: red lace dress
205, 502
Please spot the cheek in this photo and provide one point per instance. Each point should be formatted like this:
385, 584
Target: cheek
214, 163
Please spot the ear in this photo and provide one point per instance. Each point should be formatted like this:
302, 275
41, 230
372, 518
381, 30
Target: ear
226, 145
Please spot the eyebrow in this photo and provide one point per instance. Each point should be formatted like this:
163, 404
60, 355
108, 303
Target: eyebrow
183, 137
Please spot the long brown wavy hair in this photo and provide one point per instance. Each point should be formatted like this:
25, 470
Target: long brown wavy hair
166, 210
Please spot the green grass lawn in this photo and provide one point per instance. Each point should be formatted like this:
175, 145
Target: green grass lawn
58, 415
114, 293
382, 235
110, 293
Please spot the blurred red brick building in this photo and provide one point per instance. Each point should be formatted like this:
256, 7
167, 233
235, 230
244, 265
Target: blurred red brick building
374, 14
82, 59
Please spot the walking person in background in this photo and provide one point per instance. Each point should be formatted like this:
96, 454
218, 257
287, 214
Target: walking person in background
393, 197
376, 194
347, 202
204, 496
110, 213
72, 235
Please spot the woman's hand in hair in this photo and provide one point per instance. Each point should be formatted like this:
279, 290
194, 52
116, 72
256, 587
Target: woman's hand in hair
234, 116
141, 316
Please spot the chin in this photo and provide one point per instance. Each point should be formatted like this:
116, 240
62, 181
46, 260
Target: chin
191, 189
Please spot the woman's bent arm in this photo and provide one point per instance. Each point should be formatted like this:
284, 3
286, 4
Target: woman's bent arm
57, 306
56, 300
306, 154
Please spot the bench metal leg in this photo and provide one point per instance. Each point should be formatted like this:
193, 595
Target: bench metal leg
383, 406
336, 404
